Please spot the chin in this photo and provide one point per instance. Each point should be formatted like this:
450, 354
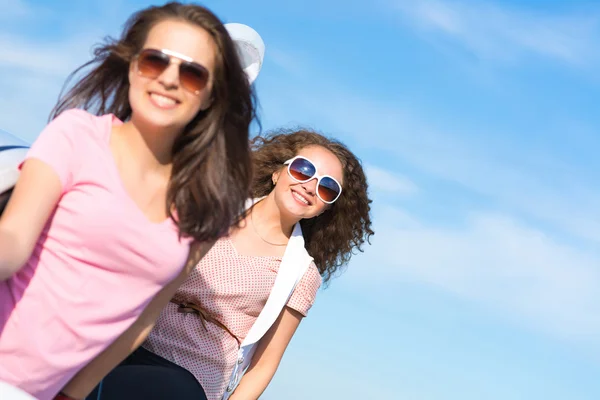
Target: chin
299, 211
159, 120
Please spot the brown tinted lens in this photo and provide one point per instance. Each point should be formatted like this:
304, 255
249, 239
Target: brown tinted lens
301, 169
328, 189
193, 76
327, 194
152, 63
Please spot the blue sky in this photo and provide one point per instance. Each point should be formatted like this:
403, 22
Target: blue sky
478, 126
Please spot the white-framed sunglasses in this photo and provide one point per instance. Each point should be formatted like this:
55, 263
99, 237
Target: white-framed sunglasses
302, 170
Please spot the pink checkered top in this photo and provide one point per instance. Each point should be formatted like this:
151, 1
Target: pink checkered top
233, 288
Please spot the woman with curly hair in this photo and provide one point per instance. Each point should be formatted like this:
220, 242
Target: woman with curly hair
310, 198
145, 164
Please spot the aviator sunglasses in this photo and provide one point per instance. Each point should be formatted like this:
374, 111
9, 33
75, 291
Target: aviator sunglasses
151, 63
302, 170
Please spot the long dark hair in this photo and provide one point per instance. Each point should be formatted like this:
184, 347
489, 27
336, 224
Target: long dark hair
331, 237
211, 171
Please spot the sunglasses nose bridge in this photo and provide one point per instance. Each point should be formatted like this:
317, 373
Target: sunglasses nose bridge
311, 185
170, 76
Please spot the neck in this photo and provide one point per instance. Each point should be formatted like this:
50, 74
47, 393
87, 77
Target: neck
271, 222
151, 147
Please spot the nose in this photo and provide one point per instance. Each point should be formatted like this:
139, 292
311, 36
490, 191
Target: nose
170, 76
310, 186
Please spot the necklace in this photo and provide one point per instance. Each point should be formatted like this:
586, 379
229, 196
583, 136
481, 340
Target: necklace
259, 235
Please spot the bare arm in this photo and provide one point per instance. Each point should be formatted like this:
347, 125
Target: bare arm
87, 378
268, 355
33, 199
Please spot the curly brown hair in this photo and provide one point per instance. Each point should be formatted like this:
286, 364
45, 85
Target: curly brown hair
210, 181
331, 237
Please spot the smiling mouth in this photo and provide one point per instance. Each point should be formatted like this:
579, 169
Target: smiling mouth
162, 101
300, 198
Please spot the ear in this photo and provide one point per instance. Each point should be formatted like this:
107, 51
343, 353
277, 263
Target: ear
275, 177
206, 103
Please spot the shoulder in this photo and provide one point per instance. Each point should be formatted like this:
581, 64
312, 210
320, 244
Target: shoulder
311, 282
67, 140
75, 115
313, 276
306, 291
79, 123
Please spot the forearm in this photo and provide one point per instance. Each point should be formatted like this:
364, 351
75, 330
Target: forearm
267, 356
10, 258
254, 382
87, 378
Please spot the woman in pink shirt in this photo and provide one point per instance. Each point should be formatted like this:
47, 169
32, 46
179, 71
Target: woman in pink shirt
145, 155
193, 348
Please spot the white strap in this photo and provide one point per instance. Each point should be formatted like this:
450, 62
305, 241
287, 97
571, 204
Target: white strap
293, 266
267, 316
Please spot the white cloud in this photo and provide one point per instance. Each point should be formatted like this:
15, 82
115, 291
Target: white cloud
15, 9
386, 181
31, 57
529, 260
499, 32
32, 75
520, 271
501, 170
34, 68
496, 259
292, 62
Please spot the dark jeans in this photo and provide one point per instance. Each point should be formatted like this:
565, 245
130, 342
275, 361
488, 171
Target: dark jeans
144, 375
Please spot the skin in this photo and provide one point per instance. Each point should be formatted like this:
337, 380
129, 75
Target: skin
141, 147
274, 218
142, 152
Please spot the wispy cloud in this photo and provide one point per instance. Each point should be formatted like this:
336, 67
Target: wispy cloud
292, 62
521, 263
384, 180
501, 32
530, 259
33, 68
495, 259
33, 73
55, 58
15, 9
502, 170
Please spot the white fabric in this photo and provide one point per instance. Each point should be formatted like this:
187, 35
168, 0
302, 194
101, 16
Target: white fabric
251, 48
10, 158
294, 264
8, 392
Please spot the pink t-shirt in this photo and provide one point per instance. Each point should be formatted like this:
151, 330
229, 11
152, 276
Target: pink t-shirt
233, 288
96, 265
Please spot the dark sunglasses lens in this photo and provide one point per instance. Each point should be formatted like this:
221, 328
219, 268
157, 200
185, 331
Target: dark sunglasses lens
193, 76
329, 189
152, 63
302, 169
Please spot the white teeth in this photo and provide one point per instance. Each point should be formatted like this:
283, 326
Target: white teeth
162, 100
299, 197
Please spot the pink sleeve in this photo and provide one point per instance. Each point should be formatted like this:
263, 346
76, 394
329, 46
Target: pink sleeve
56, 144
304, 295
